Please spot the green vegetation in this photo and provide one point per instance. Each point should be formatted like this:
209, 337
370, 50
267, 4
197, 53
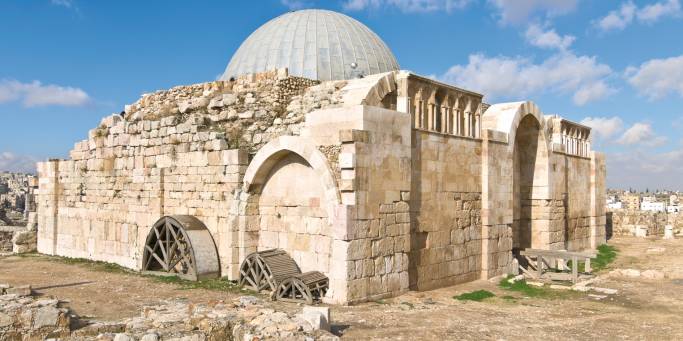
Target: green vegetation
606, 255
218, 284
476, 296
523, 288
527, 290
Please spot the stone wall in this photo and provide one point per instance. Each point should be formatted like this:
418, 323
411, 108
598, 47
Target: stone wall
179, 151
446, 206
330, 173
625, 222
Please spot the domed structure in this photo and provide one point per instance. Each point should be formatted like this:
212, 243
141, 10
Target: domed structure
316, 44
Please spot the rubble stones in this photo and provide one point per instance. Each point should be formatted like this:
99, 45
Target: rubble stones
652, 274
243, 319
24, 241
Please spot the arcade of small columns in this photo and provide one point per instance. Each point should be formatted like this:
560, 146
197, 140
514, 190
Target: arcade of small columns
574, 137
448, 112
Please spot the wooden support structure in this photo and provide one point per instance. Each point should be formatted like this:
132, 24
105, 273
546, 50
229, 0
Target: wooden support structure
182, 246
275, 271
541, 260
308, 287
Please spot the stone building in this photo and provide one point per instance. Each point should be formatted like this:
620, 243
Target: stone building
384, 180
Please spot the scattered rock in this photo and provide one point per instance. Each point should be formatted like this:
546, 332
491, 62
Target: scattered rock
652, 274
248, 300
318, 317
515, 279
560, 287
607, 291
24, 290
536, 284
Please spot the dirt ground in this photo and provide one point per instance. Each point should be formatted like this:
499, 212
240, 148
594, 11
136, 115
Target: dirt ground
642, 309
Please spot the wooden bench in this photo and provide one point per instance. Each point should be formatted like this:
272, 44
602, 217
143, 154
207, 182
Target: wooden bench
275, 271
557, 260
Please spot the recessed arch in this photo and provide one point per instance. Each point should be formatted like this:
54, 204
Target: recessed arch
529, 148
274, 151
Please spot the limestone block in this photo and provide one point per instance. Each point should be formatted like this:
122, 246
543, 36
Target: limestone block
318, 317
24, 290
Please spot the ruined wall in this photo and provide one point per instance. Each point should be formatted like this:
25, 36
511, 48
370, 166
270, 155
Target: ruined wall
624, 222
179, 151
446, 208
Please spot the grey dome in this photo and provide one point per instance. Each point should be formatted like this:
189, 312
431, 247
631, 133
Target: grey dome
316, 44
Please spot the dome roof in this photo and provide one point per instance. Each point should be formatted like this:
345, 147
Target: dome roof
316, 44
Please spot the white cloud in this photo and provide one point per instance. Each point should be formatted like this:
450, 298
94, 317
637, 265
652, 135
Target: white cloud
592, 91
548, 39
657, 78
11, 162
407, 6
618, 20
516, 77
628, 12
36, 94
604, 127
652, 13
641, 134
519, 11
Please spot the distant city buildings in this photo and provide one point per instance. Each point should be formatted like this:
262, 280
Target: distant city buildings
661, 201
16, 196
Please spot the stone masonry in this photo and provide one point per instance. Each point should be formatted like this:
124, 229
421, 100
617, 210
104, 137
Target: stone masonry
388, 183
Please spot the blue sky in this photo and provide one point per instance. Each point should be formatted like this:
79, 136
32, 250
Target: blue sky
614, 65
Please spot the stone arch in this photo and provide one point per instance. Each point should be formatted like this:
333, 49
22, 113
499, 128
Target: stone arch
289, 201
374, 90
270, 154
529, 150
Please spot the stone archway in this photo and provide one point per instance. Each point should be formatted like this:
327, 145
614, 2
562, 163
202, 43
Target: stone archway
289, 202
530, 186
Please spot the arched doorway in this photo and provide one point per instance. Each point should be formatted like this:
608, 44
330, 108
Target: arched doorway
530, 185
292, 213
290, 201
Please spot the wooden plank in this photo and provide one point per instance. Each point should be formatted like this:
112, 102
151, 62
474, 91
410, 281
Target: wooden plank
539, 267
557, 254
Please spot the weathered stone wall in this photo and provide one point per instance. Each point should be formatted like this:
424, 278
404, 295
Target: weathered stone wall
446, 206
625, 222
570, 216
180, 151
328, 172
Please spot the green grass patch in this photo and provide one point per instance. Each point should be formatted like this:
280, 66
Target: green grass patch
217, 284
527, 290
523, 288
476, 296
606, 255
